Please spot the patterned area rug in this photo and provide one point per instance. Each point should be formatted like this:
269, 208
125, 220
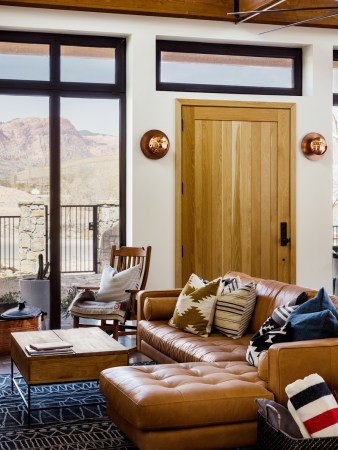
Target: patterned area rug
68, 428
79, 427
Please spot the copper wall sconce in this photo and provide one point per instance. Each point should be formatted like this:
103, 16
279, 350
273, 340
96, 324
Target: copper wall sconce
314, 146
154, 144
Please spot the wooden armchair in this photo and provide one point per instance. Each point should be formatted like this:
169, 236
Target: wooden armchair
85, 306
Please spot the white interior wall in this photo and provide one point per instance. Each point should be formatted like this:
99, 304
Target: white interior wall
151, 183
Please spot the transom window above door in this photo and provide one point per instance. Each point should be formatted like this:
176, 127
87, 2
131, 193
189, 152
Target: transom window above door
223, 68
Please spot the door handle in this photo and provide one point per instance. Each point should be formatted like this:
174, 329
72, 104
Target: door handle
284, 240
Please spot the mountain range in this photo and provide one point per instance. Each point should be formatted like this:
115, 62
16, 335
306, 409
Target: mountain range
24, 160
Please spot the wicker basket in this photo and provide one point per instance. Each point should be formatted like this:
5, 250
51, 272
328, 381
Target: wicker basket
9, 326
269, 438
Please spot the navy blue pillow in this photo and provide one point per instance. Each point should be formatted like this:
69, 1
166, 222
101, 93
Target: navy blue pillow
318, 303
315, 319
314, 325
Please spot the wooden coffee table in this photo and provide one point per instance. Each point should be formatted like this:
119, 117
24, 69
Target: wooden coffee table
93, 349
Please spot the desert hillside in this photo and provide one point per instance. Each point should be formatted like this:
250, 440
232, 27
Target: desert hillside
89, 171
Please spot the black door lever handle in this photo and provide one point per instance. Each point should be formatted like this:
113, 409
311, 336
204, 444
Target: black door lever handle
284, 240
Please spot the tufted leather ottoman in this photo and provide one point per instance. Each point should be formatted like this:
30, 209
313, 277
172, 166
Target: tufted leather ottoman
197, 406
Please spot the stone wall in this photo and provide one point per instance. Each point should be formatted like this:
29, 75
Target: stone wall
108, 232
32, 233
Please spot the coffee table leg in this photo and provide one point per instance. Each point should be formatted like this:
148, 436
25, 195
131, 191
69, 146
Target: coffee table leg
12, 375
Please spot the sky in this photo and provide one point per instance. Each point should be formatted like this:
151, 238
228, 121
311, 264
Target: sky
96, 115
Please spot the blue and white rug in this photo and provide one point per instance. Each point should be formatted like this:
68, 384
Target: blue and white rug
68, 428
79, 427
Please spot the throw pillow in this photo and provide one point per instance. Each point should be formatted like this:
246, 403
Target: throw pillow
315, 325
320, 302
228, 284
262, 342
195, 307
234, 310
273, 330
315, 319
113, 285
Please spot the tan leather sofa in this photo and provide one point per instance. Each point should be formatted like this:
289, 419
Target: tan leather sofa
202, 393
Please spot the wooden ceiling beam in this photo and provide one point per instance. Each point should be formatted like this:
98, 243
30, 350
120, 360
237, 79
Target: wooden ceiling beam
189, 9
253, 5
288, 17
194, 9
245, 5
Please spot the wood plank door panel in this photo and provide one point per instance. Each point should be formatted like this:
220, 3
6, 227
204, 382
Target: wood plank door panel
236, 190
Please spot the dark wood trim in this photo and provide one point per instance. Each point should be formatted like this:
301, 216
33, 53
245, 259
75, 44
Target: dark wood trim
55, 213
224, 49
335, 95
123, 172
55, 89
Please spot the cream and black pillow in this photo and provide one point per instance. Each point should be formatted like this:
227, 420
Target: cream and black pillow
114, 285
195, 307
234, 310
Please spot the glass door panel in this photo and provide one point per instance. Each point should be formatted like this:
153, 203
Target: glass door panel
89, 183
24, 188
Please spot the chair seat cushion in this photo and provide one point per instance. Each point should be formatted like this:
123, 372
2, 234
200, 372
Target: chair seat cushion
92, 309
183, 395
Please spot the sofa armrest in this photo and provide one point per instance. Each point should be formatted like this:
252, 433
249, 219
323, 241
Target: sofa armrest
158, 294
157, 309
290, 361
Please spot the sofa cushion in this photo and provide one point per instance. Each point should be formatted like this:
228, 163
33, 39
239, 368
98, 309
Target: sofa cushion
195, 307
234, 310
182, 347
169, 396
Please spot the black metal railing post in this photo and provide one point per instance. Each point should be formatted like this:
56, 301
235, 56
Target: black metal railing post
79, 239
9, 242
95, 238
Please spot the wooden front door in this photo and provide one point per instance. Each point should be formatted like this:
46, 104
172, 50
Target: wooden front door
235, 190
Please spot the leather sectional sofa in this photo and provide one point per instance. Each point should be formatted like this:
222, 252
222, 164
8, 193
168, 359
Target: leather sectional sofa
201, 394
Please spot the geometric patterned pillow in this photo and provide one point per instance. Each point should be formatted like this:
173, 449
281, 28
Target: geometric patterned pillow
228, 284
261, 343
234, 310
273, 331
195, 307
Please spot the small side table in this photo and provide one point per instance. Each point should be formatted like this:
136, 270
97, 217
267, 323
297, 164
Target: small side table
8, 326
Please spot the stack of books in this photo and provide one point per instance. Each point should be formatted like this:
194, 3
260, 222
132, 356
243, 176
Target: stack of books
50, 348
